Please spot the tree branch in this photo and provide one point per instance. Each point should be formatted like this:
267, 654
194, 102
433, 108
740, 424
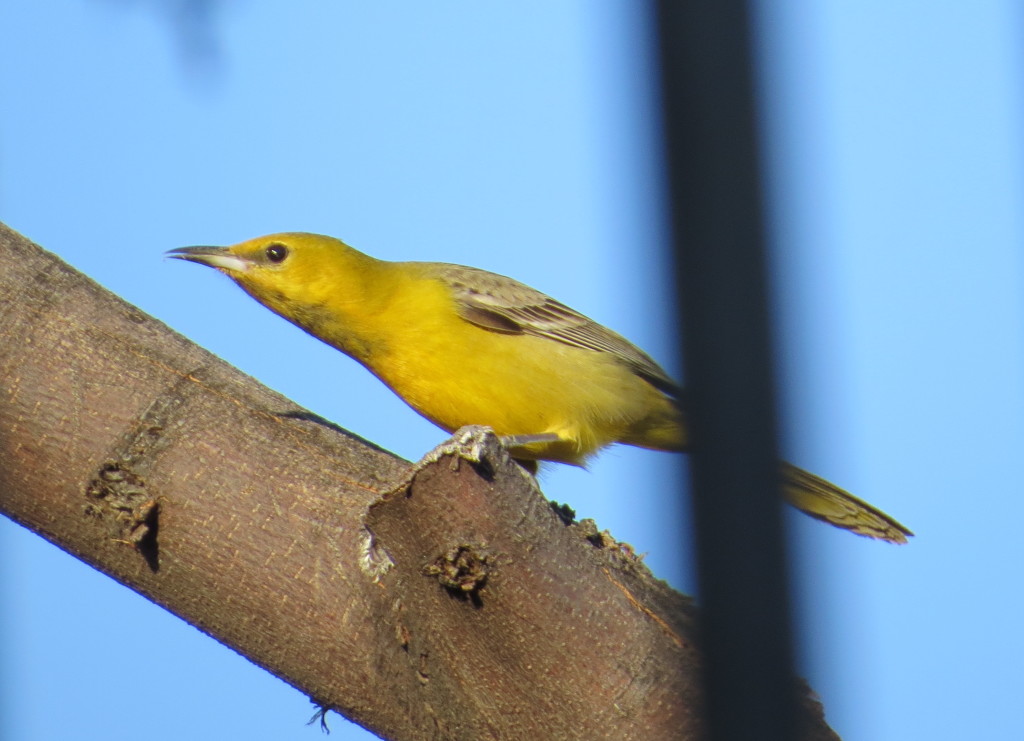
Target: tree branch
457, 606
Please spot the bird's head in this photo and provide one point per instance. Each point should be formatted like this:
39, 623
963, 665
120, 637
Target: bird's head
290, 273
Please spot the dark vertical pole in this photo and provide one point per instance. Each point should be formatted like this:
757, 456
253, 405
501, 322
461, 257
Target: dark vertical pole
715, 189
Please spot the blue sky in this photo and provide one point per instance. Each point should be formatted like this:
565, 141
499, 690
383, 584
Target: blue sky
521, 138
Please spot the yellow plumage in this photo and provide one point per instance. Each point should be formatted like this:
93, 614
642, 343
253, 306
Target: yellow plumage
464, 346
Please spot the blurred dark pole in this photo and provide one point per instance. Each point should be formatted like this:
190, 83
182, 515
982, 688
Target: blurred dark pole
715, 188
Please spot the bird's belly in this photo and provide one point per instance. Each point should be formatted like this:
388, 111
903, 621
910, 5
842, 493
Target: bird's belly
523, 385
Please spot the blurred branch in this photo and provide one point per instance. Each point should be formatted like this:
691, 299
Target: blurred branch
193, 26
474, 612
713, 168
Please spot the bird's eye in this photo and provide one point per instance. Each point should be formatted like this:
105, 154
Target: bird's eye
277, 252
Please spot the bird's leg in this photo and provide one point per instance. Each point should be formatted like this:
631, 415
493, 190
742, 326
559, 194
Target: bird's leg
511, 442
469, 443
520, 441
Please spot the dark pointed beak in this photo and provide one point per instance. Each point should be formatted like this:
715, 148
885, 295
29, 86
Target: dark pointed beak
214, 257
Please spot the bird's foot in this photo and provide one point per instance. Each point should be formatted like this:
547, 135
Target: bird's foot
476, 444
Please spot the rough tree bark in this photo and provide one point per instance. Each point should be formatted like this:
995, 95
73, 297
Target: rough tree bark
458, 606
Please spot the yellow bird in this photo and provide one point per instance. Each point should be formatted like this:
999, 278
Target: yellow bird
464, 346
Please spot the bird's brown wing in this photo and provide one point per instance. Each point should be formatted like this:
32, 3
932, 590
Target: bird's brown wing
501, 304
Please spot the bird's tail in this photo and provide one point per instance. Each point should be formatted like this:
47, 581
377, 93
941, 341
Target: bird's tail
824, 501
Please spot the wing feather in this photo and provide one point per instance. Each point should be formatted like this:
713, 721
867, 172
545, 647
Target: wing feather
501, 304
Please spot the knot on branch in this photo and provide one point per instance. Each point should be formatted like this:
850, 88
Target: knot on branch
118, 496
462, 569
